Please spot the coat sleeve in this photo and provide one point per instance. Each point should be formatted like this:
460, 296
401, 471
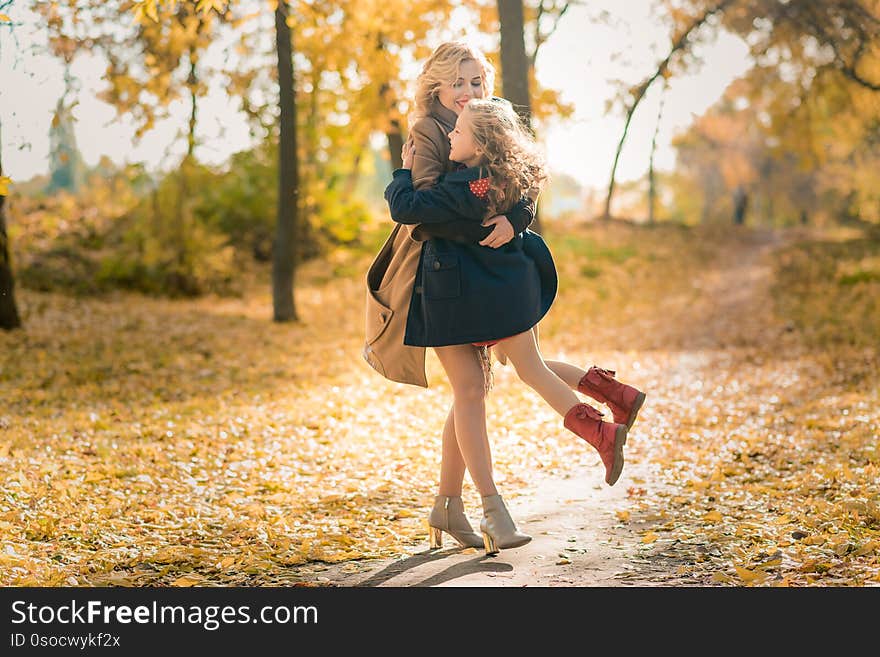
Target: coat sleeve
442, 203
459, 230
429, 162
521, 215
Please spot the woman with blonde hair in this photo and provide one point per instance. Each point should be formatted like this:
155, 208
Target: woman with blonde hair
453, 77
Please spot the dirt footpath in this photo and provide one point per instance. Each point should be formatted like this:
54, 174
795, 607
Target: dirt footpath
576, 541
582, 533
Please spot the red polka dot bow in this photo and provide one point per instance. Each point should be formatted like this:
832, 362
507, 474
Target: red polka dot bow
480, 188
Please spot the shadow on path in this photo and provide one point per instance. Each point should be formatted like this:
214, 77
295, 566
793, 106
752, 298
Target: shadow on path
480, 563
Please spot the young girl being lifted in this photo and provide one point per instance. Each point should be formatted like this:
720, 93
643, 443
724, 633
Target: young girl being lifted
484, 296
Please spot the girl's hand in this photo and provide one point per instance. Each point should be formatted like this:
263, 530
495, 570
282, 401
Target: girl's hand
501, 234
407, 154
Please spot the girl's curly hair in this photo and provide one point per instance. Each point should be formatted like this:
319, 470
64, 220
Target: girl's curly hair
515, 166
442, 67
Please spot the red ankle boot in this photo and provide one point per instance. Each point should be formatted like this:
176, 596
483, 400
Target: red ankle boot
607, 437
623, 400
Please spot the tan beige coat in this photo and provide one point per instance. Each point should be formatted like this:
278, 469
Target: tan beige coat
390, 277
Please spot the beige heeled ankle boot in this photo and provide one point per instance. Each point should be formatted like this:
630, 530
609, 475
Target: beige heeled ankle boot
497, 526
448, 516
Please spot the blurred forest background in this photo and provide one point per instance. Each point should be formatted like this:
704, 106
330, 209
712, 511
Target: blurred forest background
138, 301
794, 141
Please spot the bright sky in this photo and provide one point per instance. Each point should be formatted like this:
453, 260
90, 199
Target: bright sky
578, 61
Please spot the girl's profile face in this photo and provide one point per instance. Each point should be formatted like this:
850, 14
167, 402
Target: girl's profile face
469, 84
461, 141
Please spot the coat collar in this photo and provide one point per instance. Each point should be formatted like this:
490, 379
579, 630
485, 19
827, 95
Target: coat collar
466, 174
443, 114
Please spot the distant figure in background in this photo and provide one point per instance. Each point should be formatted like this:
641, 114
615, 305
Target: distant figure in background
740, 203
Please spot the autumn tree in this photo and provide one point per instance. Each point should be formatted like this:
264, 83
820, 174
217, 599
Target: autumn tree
839, 37
771, 152
285, 254
519, 22
150, 64
66, 167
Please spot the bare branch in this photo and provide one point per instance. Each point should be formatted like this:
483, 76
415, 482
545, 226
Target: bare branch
639, 92
540, 38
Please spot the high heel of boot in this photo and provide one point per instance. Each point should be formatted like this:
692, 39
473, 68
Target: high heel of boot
448, 516
436, 537
498, 528
489, 544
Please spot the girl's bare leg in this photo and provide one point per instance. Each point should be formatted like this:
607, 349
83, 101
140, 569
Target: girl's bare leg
522, 350
462, 366
452, 465
569, 373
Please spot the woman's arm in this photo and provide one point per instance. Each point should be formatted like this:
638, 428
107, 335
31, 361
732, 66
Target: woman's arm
429, 159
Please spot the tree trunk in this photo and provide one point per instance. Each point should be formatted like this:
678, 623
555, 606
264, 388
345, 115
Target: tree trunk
515, 67
514, 62
9, 318
394, 133
652, 188
284, 253
395, 144
191, 81
183, 272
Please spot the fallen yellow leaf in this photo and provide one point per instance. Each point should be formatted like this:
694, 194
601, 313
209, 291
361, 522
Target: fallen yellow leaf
186, 580
867, 548
713, 516
749, 575
650, 537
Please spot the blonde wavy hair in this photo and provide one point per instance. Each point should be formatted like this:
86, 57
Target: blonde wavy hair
515, 166
442, 68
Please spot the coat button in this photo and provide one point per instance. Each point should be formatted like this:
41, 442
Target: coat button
436, 264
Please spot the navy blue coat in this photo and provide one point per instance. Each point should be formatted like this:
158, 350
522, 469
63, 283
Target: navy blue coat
464, 292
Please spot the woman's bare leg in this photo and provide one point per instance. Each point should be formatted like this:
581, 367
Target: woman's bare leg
522, 350
463, 369
452, 465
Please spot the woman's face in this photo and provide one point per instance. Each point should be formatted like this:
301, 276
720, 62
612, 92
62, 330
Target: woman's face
461, 141
469, 84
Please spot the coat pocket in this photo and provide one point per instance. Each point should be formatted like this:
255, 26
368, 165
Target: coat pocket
378, 317
441, 276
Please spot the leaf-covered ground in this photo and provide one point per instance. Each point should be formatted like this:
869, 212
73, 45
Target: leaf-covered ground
154, 442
